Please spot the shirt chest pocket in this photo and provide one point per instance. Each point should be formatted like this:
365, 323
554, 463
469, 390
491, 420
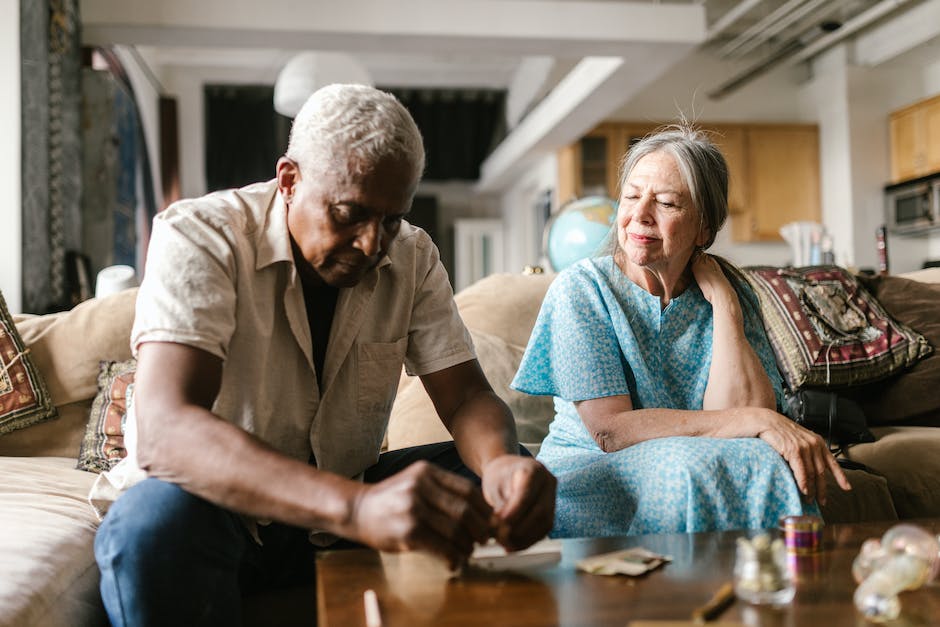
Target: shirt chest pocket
379, 370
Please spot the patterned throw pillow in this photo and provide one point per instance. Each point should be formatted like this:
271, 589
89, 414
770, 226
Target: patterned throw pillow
103, 444
24, 398
827, 330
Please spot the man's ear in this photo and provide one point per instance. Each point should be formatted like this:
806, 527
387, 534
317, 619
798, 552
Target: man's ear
288, 175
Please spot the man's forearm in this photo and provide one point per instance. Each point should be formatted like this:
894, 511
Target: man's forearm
483, 428
229, 467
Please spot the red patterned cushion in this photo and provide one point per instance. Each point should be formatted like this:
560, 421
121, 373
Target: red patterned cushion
24, 398
103, 444
827, 330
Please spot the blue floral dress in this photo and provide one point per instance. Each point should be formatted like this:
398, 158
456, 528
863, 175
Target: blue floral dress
599, 334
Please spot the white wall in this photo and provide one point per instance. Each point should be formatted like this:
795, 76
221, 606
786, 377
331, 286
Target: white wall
147, 95
456, 200
11, 282
684, 89
519, 205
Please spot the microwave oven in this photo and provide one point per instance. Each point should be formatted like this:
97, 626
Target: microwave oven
914, 206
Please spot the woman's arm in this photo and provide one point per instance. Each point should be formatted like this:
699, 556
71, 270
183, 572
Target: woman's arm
736, 377
614, 425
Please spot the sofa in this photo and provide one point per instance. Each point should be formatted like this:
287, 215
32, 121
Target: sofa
901, 475
48, 575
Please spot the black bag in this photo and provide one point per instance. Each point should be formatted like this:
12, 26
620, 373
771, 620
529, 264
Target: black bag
839, 420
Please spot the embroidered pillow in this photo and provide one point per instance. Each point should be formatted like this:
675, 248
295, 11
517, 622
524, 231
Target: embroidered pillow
103, 444
24, 398
827, 330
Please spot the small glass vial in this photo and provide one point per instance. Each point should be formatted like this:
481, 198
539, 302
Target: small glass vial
761, 575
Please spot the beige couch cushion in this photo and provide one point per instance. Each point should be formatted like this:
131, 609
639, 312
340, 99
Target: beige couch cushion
868, 500
504, 305
414, 421
48, 574
909, 458
500, 311
67, 348
57, 438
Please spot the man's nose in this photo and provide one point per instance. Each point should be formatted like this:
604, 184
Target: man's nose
369, 238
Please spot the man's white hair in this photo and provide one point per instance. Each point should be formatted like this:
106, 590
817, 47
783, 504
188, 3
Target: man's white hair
348, 129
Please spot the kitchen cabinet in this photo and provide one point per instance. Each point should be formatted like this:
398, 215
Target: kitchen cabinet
782, 181
773, 170
915, 140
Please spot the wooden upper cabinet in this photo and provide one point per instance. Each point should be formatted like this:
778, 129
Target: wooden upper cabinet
915, 140
773, 171
782, 179
732, 141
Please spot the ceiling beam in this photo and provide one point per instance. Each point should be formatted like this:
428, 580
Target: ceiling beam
527, 27
884, 42
587, 95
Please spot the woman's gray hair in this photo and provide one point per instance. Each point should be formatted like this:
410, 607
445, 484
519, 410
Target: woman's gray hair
350, 129
701, 164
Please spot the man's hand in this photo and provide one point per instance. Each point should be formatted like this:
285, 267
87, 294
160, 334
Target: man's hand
806, 453
522, 493
423, 507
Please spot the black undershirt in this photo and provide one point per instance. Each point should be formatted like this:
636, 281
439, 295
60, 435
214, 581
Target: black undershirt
320, 302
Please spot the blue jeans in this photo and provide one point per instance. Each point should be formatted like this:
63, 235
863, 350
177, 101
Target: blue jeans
168, 557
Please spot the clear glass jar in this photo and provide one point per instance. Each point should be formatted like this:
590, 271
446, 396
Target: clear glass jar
761, 575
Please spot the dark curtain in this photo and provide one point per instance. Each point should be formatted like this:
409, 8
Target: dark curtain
244, 135
460, 128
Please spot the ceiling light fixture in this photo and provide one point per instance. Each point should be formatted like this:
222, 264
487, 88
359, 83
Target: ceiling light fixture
307, 72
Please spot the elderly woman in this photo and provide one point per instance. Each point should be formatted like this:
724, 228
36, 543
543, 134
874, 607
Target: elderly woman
664, 381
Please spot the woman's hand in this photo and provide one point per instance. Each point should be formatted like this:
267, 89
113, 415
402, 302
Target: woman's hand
806, 453
711, 280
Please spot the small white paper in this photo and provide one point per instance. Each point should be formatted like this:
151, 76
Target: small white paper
633, 562
492, 556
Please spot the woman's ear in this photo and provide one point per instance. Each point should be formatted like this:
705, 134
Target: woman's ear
704, 235
288, 175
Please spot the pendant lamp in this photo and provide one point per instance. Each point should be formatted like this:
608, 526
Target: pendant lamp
306, 72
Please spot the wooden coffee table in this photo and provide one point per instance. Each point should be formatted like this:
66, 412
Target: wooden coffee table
415, 589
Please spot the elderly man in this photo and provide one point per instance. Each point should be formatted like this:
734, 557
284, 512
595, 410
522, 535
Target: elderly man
271, 328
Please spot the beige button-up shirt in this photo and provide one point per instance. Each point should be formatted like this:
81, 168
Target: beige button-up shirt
221, 277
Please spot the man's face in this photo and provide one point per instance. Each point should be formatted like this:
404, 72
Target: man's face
342, 225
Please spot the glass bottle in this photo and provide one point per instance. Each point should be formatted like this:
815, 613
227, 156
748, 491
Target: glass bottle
761, 575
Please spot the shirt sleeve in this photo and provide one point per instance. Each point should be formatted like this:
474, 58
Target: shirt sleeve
437, 337
188, 292
573, 352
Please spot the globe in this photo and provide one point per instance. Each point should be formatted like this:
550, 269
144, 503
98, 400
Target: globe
578, 230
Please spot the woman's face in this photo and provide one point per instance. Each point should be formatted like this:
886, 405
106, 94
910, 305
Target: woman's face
657, 225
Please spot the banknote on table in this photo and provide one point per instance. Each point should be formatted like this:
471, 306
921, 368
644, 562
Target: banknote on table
635, 561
